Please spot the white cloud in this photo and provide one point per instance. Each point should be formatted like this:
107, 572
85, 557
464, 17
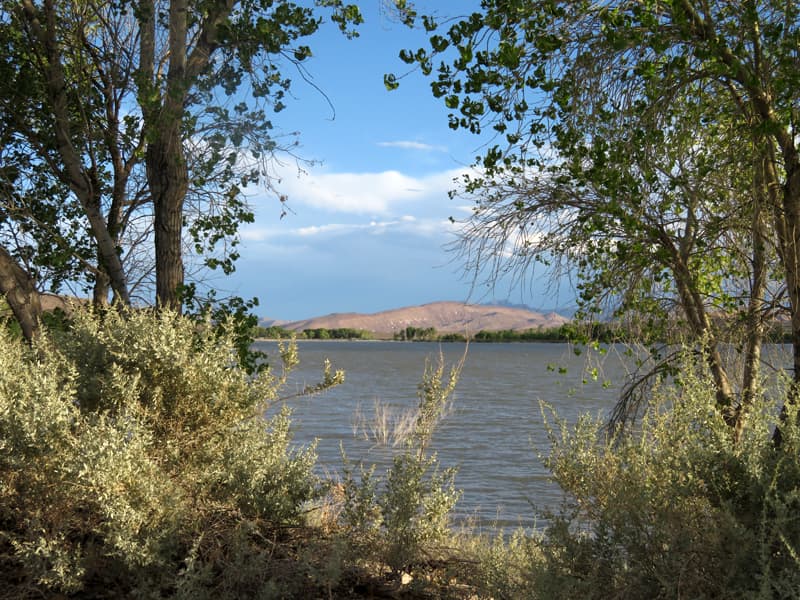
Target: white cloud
411, 145
375, 194
328, 207
315, 230
414, 226
426, 227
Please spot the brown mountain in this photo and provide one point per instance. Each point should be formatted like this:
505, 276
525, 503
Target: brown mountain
445, 317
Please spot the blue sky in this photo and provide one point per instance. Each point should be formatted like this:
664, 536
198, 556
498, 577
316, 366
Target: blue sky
369, 221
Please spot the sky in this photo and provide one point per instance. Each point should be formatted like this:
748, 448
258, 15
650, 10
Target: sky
369, 221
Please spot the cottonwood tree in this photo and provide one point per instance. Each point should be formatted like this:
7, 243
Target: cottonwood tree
646, 137
150, 107
188, 51
68, 156
656, 226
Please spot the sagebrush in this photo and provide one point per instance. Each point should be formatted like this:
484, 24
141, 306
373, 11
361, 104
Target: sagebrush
678, 508
135, 455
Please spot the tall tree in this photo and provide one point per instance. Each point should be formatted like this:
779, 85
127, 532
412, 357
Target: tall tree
62, 102
142, 111
185, 52
641, 104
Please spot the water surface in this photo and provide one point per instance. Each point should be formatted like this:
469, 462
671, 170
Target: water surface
494, 430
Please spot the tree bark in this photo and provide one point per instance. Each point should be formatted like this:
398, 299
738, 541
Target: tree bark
100, 289
167, 177
703, 331
790, 249
167, 173
751, 79
758, 286
693, 306
20, 292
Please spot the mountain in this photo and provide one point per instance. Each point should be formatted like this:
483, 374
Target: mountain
267, 322
564, 310
445, 317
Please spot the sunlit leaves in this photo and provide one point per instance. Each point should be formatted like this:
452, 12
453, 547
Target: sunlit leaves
630, 160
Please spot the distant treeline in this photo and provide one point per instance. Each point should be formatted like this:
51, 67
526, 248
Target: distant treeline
569, 332
429, 334
320, 333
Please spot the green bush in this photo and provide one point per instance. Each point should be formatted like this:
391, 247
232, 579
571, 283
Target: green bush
136, 461
675, 510
401, 520
135, 456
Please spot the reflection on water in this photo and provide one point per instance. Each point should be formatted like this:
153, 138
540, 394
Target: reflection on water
493, 432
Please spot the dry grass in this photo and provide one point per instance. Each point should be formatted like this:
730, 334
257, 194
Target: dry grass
386, 426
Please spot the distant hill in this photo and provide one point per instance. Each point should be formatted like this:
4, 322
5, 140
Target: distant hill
445, 317
564, 310
267, 322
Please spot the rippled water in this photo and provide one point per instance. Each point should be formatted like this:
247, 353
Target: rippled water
494, 431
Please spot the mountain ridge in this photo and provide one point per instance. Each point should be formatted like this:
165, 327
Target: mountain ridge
444, 316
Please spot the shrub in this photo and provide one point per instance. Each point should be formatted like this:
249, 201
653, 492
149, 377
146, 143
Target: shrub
675, 510
135, 456
402, 519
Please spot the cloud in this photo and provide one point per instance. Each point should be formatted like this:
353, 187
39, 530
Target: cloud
331, 210
376, 194
317, 230
407, 224
411, 145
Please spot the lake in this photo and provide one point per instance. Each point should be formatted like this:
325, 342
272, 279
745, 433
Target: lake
493, 432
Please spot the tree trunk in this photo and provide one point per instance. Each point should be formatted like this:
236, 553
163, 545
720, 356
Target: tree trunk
167, 173
758, 286
168, 180
792, 212
790, 250
691, 302
20, 292
101, 288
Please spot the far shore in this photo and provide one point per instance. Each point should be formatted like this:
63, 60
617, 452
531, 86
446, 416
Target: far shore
391, 339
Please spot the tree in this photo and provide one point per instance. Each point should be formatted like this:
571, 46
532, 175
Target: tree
218, 47
661, 227
63, 98
642, 133
141, 112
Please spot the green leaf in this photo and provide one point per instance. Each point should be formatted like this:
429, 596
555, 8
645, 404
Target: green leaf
390, 81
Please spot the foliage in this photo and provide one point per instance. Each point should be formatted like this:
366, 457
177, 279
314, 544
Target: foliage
336, 333
136, 457
554, 334
74, 192
272, 332
402, 519
120, 145
648, 148
140, 459
416, 334
678, 509
232, 317
575, 332
452, 337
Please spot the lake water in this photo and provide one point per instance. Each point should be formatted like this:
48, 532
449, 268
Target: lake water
493, 432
